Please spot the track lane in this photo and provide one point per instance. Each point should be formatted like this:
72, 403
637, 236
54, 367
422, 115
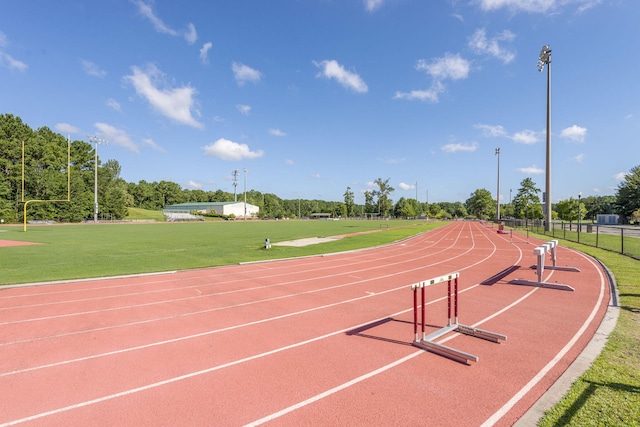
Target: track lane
325, 323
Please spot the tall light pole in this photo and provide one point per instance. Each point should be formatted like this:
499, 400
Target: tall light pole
234, 174
545, 59
498, 193
95, 140
245, 193
579, 197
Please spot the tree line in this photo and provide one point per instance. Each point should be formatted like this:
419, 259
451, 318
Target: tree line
46, 178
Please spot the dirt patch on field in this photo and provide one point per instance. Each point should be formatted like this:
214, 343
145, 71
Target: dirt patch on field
10, 243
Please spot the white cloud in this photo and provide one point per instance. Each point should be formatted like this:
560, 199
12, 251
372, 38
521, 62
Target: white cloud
448, 67
331, 69
453, 67
277, 132
116, 136
66, 128
454, 147
372, 5
244, 109
146, 10
243, 73
176, 103
289, 162
430, 94
204, 52
6, 59
491, 131
480, 45
113, 104
151, 143
535, 6
194, 185
190, 34
580, 158
574, 133
316, 176
531, 170
92, 69
526, 137
620, 176
404, 186
229, 150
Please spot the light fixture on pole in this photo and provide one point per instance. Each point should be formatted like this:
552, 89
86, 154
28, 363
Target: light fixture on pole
245, 193
498, 193
95, 140
579, 226
545, 59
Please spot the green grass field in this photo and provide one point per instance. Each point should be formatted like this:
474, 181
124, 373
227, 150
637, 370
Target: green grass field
97, 250
608, 394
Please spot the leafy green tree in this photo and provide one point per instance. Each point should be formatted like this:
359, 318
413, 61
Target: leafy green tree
349, 202
628, 194
571, 210
480, 204
526, 204
369, 205
383, 192
405, 208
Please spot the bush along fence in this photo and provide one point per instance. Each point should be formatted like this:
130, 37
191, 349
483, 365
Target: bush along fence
623, 239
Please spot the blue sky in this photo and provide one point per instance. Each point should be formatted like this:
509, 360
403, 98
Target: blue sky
314, 96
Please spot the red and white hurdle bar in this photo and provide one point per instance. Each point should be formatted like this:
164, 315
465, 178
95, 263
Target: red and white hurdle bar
540, 252
427, 342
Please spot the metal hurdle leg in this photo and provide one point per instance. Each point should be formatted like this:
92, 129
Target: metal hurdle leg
428, 341
554, 245
540, 252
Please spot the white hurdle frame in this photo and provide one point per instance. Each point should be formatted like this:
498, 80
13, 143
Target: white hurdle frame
551, 248
426, 342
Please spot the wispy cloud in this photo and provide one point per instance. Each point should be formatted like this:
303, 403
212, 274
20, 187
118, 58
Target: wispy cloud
116, 136
448, 67
455, 147
228, 150
276, 132
204, 52
525, 136
574, 133
66, 128
332, 70
404, 186
6, 59
146, 10
243, 109
243, 73
620, 176
579, 158
372, 5
92, 69
531, 170
113, 104
152, 144
177, 103
536, 6
481, 45
195, 185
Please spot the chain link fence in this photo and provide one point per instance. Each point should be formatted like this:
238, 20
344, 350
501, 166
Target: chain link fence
623, 239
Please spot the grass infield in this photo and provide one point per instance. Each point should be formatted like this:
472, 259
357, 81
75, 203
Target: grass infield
78, 251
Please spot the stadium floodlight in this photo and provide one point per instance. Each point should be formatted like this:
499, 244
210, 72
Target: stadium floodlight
498, 193
545, 59
95, 140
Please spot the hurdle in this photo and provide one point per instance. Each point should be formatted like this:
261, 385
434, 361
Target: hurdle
540, 252
427, 342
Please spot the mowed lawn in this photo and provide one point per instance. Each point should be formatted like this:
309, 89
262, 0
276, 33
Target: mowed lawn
75, 251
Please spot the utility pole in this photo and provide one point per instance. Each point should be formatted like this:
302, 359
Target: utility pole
234, 174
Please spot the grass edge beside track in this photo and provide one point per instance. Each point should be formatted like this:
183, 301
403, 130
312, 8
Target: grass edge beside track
608, 392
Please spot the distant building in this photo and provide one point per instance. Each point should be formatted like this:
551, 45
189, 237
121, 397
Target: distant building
608, 219
222, 208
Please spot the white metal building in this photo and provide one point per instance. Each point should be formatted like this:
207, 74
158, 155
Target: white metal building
238, 209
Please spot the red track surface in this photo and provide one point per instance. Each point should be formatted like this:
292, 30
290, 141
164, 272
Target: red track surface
312, 341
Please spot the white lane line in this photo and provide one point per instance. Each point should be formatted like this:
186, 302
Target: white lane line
553, 362
236, 362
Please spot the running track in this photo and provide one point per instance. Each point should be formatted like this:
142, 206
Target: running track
322, 340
